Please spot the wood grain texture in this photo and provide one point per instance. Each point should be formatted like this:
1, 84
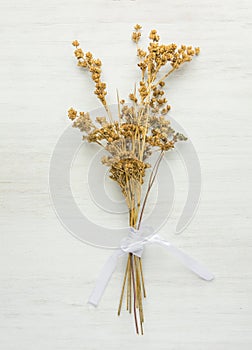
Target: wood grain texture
47, 275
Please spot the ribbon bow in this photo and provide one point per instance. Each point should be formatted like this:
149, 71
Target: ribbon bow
134, 243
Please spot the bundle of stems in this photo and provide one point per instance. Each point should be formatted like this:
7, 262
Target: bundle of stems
140, 128
133, 280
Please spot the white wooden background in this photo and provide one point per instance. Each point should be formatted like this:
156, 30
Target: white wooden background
46, 274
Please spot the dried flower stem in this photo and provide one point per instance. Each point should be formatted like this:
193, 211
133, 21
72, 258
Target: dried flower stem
150, 183
134, 291
164, 77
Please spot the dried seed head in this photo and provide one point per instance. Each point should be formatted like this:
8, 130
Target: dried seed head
197, 51
72, 113
137, 27
75, 43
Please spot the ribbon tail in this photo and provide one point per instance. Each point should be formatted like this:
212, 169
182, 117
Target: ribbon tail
104, 277
187, 261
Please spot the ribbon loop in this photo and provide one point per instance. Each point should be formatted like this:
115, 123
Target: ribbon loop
134, 243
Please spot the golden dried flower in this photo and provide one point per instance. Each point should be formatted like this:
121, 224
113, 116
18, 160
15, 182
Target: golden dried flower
89, 55
141, 53
153, 35
79, 53
72, 113
98, 62
82, 64
137, 27
133, 97
136, 36
197, 51
75, 43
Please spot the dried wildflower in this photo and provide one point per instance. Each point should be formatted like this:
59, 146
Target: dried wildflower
102, 121
137, 27
197, 51
141, 128
133, 97
75, 43
84, 122
136, 36
72, 113
153, 35
79, 53
94, 66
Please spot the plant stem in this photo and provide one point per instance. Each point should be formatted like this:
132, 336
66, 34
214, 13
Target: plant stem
123, 287
134, 291
150, 183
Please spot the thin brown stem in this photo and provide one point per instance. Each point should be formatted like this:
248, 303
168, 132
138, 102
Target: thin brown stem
130, 289
118, 106
139, 291
150, 183
165, 76
123, 287
108, 112
134, 291
142, 277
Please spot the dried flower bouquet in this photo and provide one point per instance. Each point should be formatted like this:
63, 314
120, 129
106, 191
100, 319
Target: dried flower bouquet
140, 128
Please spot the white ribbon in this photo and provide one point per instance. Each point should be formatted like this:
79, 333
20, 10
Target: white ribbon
134, 243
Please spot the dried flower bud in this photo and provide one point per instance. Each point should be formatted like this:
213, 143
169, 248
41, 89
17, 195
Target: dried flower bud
79, 53
137, 27
72, 113
75, 43
133, 97
136, 36
197, 51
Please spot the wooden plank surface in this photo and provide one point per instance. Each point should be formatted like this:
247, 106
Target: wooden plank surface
46, 275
